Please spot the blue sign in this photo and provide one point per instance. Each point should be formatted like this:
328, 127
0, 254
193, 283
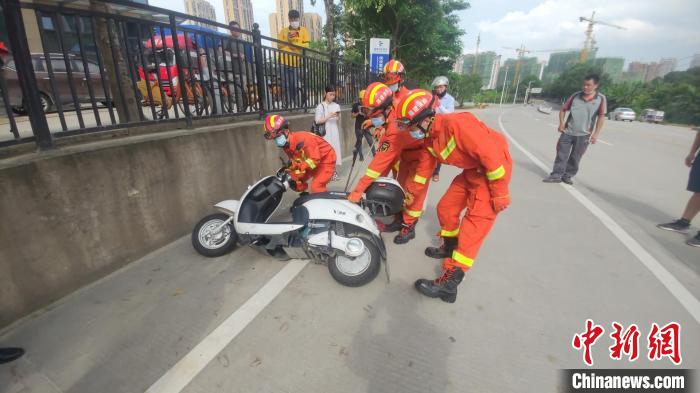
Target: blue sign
377, 61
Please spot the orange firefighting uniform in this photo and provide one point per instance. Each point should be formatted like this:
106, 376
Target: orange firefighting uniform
312, 157
461, 140
401, 153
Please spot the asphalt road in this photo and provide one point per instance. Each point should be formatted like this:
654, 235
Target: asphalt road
175, 321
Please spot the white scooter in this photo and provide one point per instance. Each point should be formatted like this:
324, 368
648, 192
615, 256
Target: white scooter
325, 227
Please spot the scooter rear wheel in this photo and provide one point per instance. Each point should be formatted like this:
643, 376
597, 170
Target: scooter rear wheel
211, 244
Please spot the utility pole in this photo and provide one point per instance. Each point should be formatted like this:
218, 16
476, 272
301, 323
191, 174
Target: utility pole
476, 54
505, 82
517, 85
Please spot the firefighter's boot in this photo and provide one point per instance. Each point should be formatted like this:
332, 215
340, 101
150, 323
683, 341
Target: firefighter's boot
444, 287
444, 251
408, 232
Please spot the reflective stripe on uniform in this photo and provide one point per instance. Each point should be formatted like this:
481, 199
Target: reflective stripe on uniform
397, 165
496, 173
419, 179
451, 145
311, 163
446, 233
413, 213
372, 174
432, 152
466, 261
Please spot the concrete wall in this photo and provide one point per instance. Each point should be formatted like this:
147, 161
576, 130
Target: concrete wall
76, 214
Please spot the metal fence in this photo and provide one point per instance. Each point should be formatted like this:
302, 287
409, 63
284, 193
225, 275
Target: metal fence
80, 66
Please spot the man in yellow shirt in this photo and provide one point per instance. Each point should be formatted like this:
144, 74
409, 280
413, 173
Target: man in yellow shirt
290, 57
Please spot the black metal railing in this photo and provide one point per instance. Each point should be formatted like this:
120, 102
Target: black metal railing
105, 64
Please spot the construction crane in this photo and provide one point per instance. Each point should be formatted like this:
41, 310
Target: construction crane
476, 54
588, 45
521, 53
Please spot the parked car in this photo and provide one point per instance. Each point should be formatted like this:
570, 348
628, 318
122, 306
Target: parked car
652, 115
622, 114
60, 79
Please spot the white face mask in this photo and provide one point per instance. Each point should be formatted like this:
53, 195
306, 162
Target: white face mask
295, 24
394, 87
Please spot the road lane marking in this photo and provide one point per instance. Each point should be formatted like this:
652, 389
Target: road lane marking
686, 299
185, 370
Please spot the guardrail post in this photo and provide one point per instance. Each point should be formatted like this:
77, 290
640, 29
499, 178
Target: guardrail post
25, 72
180, 75
259, 69
334, 69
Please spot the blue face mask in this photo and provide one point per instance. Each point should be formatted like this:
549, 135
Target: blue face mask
417, 134
281, 140
377, 121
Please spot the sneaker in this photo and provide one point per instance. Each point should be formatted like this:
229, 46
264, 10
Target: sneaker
552, 180
694, 241
681, 225
567, 180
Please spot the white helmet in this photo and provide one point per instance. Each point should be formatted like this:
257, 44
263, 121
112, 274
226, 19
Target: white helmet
440, 81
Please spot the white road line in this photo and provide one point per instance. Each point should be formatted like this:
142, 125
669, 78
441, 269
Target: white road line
687, 300
184, 371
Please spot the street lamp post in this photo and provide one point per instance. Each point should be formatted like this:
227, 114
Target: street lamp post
505, 82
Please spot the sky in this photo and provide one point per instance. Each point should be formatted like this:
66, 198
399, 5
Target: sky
654, 29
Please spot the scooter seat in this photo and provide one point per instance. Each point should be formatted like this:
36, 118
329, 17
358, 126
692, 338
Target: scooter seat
320, 195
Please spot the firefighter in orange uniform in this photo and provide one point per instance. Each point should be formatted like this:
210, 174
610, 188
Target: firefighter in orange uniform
377, 106
461, 140
311, 156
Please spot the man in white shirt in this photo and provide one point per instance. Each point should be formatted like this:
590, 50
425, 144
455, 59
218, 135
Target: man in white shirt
447, 105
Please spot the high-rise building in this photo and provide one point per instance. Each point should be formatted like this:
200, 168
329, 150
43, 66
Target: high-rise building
543, 64
696, 61
559, 62
201, 9
529, 66
652, 72
636, 71
312, 22
240, 11
667, 65
611, 66
495, 69
281, 16
484, 66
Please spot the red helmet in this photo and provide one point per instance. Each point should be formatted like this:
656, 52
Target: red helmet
393, 72
416, 106
273, 125
376, 99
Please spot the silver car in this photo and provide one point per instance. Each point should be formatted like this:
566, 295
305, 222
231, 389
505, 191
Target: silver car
622, 114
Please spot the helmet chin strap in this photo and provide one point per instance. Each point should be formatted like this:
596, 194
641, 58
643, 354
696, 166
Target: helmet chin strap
426, 131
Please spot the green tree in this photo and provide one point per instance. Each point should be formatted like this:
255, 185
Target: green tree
463, 87
424, 33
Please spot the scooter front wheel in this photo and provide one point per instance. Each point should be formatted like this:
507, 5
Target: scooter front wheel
210, 239
360, 270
